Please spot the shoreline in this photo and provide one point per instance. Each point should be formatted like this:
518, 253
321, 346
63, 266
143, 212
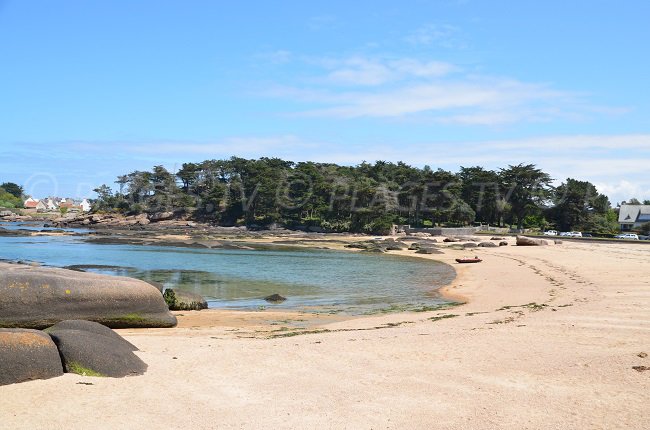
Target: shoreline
548, 337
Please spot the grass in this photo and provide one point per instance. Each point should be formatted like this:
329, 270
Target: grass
74, 367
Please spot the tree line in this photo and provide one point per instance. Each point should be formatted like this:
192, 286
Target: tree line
364, 198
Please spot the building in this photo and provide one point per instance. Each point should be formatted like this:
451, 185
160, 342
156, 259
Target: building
633, 216
30, 203
85, 205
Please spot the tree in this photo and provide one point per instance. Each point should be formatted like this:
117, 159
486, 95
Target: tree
526, 188
105, 199
13, 189
632, 201
480, 189
576, 201
8, 200
645, 228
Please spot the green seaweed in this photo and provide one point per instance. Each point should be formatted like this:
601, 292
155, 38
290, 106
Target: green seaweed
74, 367
442, 317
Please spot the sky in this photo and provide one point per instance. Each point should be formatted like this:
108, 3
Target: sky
90, 90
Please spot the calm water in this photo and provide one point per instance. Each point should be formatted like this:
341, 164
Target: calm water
325, 280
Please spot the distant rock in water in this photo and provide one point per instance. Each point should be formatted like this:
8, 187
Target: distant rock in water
180, 300
26, 355
38, 297
275, 298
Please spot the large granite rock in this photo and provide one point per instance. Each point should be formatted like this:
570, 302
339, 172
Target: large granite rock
529, 241
428, 251
92, 354
90, 327
180, 300
26, 355
38, 297
488, 245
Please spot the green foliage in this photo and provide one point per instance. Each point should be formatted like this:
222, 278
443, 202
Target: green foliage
602, 224
527, 190
13, 189
366, 198
170, 298
74, 367
9, 200
645, 228
63, 211
578, 205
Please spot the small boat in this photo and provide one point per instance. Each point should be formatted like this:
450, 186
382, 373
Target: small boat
468, 260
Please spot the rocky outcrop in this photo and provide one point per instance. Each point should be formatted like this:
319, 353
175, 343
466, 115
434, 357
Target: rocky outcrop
427, 250
91, 354
488, 245
90, 327
180, 300
529, 241
451, 239
27, 355
275, 298
38, 297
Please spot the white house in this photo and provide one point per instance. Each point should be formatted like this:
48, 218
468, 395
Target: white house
85, 205
41, 206
51, 204
633, 216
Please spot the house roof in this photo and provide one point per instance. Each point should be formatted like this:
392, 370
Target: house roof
30, 203
633, 213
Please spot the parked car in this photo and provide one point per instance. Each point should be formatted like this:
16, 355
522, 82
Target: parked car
550, 233
571, 234
629, 236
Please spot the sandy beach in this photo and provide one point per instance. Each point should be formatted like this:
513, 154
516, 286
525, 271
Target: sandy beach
547, 339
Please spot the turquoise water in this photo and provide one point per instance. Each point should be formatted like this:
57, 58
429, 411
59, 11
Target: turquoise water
321, 280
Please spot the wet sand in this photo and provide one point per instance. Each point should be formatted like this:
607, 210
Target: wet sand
548, 339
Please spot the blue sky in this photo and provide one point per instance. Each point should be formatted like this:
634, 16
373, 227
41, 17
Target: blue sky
93, 89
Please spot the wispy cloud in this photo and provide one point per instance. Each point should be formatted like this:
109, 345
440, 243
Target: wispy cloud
279, 56
444, 35
243, 145
372, 72
384, 87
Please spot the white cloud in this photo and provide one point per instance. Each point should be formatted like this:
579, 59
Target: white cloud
624, 190
357, 87
279, 56
372, 72
490, 101
445, 35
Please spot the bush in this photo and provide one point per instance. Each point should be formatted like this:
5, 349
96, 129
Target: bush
645, 228
8, 200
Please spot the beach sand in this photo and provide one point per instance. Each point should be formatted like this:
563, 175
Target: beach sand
547, 340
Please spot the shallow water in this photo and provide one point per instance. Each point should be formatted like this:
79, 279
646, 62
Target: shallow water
316, 280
